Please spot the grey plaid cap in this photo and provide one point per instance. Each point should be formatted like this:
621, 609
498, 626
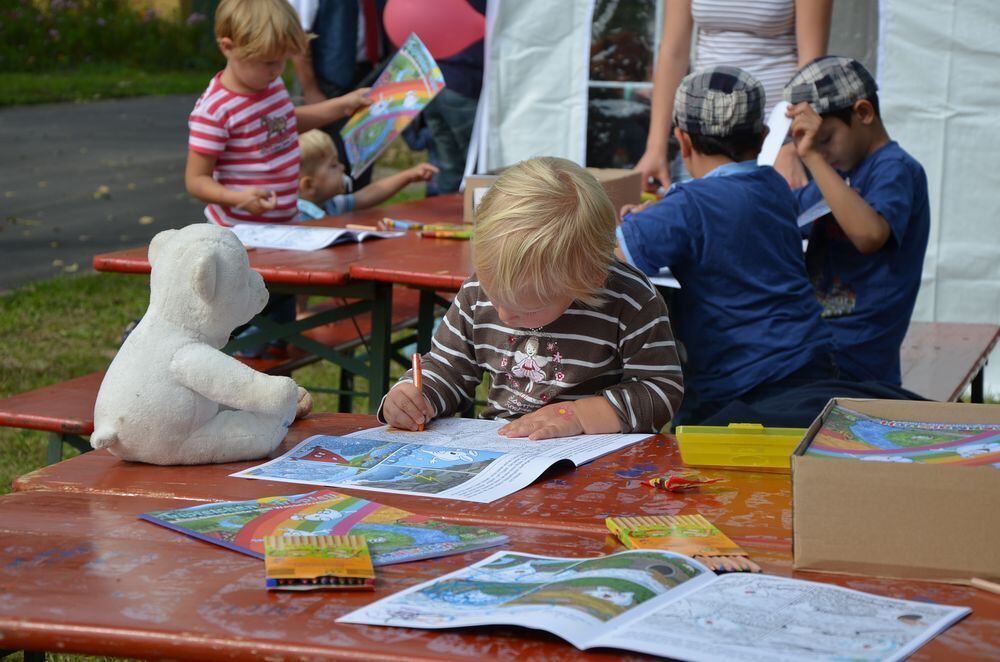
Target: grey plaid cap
719, 101
831, 83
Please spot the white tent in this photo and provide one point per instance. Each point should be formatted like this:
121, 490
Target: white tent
937, 67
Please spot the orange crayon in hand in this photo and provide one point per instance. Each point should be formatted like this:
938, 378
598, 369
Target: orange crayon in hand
418, 381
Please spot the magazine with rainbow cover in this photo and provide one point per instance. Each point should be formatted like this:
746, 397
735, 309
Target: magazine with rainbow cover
850, 434
662, 603
404, 88
393, 535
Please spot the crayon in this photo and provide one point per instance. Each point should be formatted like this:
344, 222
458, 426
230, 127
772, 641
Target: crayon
418, 380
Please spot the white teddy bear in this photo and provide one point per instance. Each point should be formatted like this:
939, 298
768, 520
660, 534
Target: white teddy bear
170, 396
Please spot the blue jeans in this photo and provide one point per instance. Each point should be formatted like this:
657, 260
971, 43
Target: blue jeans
450, 117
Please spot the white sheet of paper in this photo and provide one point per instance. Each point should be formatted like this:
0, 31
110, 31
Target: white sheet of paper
818, 210
778, 125
300, 237
665, 279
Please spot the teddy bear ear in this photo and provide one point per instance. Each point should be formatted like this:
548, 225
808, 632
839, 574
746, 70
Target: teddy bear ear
159, 241
204, 274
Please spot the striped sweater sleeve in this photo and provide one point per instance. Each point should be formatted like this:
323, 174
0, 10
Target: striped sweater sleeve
652, 384
450, 370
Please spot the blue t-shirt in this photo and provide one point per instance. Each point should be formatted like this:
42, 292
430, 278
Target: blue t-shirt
745, 312
335, 206
868, 299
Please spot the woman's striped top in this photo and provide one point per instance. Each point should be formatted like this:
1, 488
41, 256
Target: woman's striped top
757, 36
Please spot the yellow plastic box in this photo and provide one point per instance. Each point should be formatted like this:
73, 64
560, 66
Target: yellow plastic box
749, 445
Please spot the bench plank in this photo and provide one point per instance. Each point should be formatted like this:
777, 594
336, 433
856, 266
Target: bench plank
940, 359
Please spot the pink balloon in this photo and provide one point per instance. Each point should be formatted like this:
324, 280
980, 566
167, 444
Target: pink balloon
446, 27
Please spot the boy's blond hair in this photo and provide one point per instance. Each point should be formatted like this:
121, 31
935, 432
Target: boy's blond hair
314, 146
260, 28
546, 227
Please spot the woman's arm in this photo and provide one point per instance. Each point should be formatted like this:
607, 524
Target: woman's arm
812, 28
672, 62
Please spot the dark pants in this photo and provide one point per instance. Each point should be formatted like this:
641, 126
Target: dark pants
796, 400
450, 117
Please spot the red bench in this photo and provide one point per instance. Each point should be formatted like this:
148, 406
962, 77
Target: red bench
66, 410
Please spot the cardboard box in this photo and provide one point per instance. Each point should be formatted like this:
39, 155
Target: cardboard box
622, 186
936, 522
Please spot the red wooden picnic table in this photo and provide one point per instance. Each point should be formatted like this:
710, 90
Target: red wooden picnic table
140, 591
325, 272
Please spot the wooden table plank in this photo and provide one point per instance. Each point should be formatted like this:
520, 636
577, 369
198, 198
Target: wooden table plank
939, 359
79, 573
754, 508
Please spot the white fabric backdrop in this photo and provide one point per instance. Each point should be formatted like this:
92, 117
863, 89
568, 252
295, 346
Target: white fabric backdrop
939, 79
940, 91
534, 100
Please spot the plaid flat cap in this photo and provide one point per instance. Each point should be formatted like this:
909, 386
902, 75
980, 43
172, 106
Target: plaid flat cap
831, 83
719, 101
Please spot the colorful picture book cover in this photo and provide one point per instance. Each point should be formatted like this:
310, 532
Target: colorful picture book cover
393, 535
404, 88
850, 434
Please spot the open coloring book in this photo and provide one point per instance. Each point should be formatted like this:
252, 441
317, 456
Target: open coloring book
662, 603
301, 237
455, 458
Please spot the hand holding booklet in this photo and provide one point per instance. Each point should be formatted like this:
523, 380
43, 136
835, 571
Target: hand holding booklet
661, 603
302, 237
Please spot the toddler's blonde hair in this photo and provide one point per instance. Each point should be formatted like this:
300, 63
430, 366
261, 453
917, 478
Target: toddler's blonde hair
314, 146
260, 28
547, 228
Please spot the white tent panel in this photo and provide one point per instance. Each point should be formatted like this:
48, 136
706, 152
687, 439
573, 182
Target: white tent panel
536, 90
940, 96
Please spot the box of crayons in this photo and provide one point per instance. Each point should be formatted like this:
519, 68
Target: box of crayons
691, 535
309, 563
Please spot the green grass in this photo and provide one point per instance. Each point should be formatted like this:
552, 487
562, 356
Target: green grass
94, 82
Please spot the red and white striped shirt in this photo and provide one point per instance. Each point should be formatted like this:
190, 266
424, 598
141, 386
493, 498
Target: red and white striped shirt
256, 141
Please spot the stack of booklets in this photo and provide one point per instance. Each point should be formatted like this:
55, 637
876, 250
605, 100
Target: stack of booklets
392, 535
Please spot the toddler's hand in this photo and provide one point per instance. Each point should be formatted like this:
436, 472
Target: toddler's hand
422, 173
352, 101
804, 129
633, 209
556, 420
406, 408
256, 200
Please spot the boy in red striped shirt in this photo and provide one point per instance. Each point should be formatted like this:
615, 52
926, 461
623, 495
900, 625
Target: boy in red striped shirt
243, 149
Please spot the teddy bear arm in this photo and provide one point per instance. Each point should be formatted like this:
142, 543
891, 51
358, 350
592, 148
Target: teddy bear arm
225, 380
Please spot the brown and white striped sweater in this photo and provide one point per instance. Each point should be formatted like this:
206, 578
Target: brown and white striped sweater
622, 349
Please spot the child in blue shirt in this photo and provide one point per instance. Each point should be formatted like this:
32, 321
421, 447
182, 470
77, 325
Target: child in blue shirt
865, 258
745, 313
325, 189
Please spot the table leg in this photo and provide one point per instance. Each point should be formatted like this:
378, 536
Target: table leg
380, 350
425, 320
977, 387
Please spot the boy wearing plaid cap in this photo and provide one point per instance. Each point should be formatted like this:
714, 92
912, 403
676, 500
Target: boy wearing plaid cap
745, 312
866, 259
